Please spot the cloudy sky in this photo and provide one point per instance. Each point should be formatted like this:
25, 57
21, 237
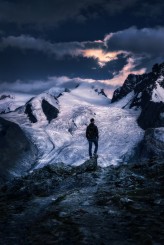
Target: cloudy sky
47, 42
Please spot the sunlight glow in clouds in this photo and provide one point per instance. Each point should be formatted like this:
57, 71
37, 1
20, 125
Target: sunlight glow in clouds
101, 56
129, 68
139, 47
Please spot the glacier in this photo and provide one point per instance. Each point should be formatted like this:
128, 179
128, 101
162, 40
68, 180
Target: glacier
63, 139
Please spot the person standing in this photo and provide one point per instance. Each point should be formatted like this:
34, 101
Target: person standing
92, 136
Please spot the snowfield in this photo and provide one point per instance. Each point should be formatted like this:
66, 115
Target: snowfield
63, 139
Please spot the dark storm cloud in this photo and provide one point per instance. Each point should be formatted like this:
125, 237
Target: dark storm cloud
43, 11
151, 8
18, 64
31, 43
117, 6
144, 43
39, 12
52, 12
147, 41
58, 49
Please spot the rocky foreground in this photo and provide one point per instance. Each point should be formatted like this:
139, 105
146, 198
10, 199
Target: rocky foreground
85, 205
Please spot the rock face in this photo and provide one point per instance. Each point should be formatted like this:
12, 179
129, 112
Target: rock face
50, 111
17, 153
148, 95
150, 116
29, 113
128, 86
84, 205
153, 145
42, 107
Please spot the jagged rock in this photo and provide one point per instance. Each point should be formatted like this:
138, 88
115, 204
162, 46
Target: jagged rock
128, 86
49, 110
4, 96
143, 87
28, 111
101, 92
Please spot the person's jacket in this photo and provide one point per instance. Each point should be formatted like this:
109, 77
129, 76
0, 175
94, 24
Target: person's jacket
92, 131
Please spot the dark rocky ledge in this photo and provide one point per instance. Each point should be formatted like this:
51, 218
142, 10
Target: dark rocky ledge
85, 205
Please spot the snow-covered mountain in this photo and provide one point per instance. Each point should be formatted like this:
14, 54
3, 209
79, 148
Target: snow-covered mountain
58, 130
55, 123
146, 92
53, 202
11, 101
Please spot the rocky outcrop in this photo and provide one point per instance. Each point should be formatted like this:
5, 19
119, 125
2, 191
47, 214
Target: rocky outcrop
143, 87
153, 145
28, 111
84, 205
128, 86
150, 116
101, 91
49, 110
4, 96
42, 107
17, 153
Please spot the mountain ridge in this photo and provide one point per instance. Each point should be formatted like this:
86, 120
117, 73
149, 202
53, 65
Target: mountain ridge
57, 129
148, 95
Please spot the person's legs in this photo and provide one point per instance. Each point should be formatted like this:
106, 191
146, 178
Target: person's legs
90, 148
96, 146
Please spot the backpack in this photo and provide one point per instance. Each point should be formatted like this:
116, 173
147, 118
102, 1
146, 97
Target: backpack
91, 131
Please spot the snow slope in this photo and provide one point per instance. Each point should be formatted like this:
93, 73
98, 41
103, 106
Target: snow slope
158, 91
63, 139
11, 101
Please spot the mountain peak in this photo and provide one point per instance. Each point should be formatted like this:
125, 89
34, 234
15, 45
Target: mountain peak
148, 89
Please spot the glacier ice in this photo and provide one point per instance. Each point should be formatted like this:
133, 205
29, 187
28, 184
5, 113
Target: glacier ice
63, 139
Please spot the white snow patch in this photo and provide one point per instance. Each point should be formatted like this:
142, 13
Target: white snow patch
158, 92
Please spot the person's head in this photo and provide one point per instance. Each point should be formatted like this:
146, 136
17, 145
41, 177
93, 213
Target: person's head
92, 120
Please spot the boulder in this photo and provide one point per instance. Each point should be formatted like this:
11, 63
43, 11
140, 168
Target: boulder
17, 153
